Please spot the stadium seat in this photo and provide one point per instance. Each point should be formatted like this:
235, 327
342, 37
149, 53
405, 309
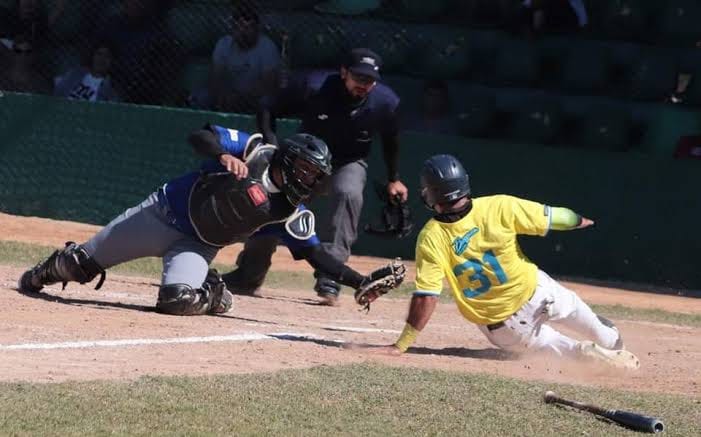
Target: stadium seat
198, 26
421, 10
68, 24
604, 127
476, 112
517, 64
444, 52
536, 121
679, 22
585, 69
653, 76
195, 74
625, 19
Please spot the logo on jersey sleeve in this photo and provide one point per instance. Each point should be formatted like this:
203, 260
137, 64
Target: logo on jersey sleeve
460, 243
257, 194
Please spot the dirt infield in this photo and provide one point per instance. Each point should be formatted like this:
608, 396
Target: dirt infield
81, 334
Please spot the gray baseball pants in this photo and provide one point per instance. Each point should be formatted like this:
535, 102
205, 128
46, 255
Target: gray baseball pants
337, 232
147, 230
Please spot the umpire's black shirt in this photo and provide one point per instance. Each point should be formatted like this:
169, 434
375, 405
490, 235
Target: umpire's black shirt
347, 125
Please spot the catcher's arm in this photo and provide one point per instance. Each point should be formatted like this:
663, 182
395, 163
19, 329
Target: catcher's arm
374, 285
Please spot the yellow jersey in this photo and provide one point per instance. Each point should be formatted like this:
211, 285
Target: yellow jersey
480, 257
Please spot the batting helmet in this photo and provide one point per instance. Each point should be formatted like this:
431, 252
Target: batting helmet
443, 179
299, 178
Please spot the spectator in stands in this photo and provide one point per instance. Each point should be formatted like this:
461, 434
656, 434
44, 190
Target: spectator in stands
553, 16
90, 81
244, 66
147, 58
436, 114
22, 75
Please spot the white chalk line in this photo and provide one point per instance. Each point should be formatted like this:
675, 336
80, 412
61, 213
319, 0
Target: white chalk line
160, 341
89, 344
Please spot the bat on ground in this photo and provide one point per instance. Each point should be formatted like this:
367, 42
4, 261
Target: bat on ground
635, 421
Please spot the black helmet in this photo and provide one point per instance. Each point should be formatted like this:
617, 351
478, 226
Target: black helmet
298, 179
443, 179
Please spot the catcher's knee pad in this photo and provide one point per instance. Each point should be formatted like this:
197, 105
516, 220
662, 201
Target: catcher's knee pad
183, 300
72, 263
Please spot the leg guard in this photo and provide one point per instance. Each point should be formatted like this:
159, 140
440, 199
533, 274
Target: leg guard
183, 300
72, 263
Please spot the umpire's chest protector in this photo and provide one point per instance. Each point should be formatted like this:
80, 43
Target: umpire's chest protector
224, 210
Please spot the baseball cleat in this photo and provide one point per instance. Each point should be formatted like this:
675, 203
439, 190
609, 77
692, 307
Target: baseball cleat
620, 359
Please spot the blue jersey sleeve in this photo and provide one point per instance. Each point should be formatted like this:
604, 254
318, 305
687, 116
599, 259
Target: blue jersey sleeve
232, 140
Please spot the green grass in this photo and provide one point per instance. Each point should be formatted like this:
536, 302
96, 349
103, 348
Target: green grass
24, 255
369, 400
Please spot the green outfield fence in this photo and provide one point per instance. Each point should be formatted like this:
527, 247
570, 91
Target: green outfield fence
87, 162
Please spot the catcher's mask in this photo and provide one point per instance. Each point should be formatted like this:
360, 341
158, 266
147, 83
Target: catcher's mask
303, 160
443, 179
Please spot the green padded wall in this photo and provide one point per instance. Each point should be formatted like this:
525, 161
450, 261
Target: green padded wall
89, 161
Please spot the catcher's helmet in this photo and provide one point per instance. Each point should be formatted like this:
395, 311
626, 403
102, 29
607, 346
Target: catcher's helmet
303, 161
443, 179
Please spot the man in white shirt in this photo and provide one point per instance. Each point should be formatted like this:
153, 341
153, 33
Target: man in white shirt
244, 66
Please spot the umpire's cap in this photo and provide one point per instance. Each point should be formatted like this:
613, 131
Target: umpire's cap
364, 61
443, 179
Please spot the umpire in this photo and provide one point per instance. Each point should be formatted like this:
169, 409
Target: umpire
346, 110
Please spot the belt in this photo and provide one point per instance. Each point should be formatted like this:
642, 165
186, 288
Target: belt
498, 325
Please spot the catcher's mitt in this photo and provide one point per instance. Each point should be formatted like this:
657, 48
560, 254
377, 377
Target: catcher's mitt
380, 282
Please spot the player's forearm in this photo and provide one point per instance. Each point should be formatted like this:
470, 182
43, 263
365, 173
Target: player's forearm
332, 268
266, 125
206, 143
390, 144
420, 310
564, 219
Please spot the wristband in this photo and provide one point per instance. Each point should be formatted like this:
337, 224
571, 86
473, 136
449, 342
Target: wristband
407, 338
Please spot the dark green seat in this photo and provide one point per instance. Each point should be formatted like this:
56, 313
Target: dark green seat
517, 64
536, 120
604, 127
198, 26
476, 112
680, 21
585, 70
444, 52
654, 76
195, 74
625, 19
422, 10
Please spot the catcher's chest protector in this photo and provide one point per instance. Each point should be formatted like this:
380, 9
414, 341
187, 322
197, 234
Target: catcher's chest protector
224, 210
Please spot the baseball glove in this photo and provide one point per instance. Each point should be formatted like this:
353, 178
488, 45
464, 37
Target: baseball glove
380, 282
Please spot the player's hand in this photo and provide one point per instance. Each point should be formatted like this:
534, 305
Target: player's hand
234, 165
397, 189
585, 223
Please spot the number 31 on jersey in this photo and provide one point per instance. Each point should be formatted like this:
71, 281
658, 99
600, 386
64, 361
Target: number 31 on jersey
475, 269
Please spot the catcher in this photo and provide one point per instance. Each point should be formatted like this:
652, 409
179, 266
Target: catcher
472, 244
244, 188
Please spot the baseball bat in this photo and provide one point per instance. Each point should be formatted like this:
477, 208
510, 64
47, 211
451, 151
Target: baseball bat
635, 421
